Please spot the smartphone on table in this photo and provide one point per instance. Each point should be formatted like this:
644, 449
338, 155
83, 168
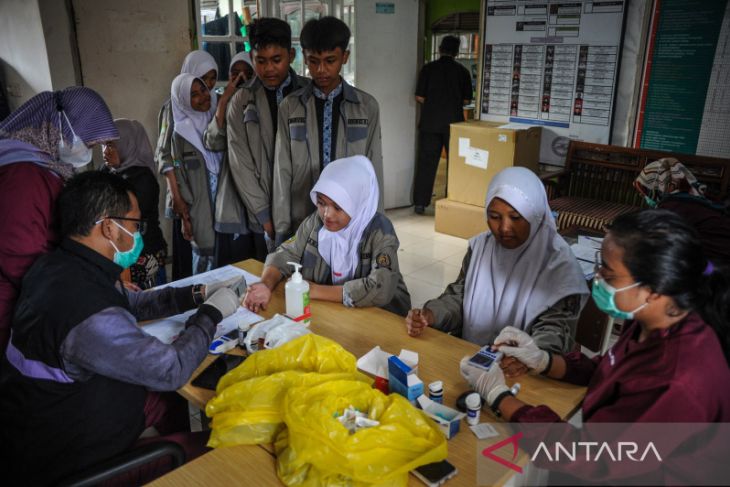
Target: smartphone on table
435, 474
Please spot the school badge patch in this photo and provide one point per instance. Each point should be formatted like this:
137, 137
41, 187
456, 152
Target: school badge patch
383, 260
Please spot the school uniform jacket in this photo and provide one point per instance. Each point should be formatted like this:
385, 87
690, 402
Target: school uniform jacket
377, 280
245, 184
553, 330
192, 181
297, 162
163, 150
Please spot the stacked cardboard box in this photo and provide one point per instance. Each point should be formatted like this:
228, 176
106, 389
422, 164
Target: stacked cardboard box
477, 151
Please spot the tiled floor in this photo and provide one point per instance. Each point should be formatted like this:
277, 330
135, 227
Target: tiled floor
429, 261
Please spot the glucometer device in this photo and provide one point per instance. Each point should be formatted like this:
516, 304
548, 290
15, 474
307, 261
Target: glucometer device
485, 357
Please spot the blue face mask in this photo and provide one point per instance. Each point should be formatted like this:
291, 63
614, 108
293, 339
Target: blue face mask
650, 202
604, 295
128, 257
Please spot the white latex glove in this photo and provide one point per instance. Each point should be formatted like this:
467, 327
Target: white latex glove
488, 383
236, 284
224, 300
518, 344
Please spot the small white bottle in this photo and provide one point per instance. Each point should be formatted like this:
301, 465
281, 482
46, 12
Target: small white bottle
297, 297
473, 408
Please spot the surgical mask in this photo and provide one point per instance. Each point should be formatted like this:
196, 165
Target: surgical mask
650, 202
128, 257
604, 295
76, 154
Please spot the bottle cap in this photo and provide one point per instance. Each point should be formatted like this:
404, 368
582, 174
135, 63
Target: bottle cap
436, 386
473, 401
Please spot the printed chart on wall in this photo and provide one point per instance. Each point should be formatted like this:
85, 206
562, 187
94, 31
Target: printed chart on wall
685, 103
552, 64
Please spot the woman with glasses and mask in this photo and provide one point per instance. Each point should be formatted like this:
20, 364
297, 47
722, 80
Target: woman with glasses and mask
670, 364
42, 143
131, 158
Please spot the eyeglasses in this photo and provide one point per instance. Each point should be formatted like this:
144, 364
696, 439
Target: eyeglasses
141, 223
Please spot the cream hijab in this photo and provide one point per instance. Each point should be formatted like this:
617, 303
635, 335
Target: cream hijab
191, 124
512, 287
351, 183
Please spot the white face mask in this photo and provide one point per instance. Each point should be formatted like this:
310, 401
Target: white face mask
76, 154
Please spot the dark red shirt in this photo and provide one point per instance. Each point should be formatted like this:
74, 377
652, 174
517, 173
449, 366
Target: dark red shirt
678, 375
28, 195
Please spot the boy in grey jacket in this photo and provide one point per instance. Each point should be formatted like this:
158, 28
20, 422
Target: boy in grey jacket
251, 119
319, 123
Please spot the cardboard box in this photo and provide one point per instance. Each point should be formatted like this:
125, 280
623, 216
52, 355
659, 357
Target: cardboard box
478, 150
459, 219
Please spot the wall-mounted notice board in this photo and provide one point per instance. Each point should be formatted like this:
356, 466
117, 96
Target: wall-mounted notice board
554, 64
685, 100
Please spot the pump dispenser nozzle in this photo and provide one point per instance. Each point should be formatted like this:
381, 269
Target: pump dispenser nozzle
296, 276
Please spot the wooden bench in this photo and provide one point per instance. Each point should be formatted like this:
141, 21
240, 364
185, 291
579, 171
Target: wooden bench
596, 184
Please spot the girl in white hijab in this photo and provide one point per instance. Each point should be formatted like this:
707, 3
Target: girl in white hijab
347, 249
192, 110
201, 65
520, 273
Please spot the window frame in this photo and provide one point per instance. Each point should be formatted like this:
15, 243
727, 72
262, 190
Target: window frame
271, 8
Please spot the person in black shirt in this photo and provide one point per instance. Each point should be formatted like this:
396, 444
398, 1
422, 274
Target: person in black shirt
131, 158
444, 87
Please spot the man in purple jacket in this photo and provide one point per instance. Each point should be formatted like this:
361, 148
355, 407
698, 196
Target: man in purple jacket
76, 380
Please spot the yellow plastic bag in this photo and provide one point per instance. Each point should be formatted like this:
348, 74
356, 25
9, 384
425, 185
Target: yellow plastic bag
249, 412
315, 449
309, 353
247, 406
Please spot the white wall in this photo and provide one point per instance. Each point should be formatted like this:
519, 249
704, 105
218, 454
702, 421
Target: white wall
60, 43
130, 52
23, 51
387, 68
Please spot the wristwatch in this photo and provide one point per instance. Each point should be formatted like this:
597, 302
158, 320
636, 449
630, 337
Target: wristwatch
495, 405
198, 294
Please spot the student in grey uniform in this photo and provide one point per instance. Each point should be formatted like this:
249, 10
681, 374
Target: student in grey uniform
520, 273
322, 122
252, 118
348, 251
196, 168
235, 242
201, 65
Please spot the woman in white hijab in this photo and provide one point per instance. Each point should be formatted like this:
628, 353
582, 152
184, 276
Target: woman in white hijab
201, 65
197, 167
348, 251
520, 273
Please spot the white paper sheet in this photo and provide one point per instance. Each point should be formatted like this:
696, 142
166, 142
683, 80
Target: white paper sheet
167, 329
220, 274
584, 252
464, 146
477, 158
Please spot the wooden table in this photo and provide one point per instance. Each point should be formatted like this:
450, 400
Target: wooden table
359, 330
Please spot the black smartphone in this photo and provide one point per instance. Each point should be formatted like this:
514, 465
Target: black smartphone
208, 379
435, 474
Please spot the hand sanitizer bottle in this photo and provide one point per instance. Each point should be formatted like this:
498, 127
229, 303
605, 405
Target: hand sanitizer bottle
297, 297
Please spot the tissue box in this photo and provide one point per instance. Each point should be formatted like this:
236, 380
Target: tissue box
403, 380
447, 419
